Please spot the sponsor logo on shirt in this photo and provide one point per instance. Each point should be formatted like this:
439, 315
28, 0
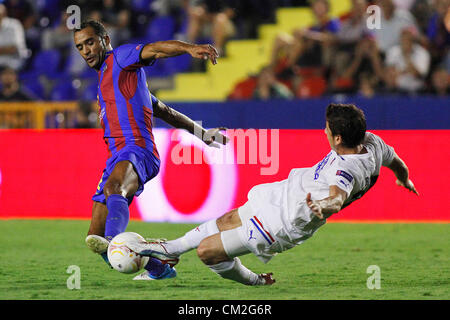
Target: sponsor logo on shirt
345, 175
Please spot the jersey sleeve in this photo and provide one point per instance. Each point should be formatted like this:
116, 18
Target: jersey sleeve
387, 152
128, 56
341, 178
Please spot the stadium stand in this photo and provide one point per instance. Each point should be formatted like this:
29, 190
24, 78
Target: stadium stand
247, 53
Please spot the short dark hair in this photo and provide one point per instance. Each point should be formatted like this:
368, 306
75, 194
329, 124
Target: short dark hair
99, 28
348, 121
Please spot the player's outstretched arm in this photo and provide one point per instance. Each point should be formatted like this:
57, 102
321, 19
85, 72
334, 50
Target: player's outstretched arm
401, 172
178, 120
172, 48
327, 206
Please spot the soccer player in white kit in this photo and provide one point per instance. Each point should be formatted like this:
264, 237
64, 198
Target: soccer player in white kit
280, 215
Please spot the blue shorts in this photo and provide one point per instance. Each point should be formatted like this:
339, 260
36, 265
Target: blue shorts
144, 163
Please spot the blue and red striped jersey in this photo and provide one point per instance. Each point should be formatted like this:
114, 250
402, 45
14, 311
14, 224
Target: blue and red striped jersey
125, 103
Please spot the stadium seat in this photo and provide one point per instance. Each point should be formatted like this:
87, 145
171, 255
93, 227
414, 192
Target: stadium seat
177, 64
47, 62
35, 88
49, 8
90, 92
311, 87
141, 6
308, 72
244, 89
74, 65
157, 69
89, 74
63, 91
160, 29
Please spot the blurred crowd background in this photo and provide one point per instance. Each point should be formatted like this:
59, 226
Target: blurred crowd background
408, 55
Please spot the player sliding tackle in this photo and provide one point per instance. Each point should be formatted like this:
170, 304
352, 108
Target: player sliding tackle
280, 215
126, 108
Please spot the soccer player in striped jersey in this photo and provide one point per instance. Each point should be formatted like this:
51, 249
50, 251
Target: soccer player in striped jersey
280, 215
126, 108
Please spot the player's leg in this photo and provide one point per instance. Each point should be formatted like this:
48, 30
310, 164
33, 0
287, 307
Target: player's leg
121, 184
170, 251
95, 239
99, 213
192, 239
220, 253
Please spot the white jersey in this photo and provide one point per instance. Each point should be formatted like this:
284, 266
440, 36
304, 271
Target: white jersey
283, 204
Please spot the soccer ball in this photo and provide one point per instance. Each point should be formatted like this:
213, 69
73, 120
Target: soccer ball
122, 258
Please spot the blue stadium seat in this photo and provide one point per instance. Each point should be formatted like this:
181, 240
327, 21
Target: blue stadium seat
63, 91
89, 75
50, 8
141, 6
74, 65
35, 88
47, 62
156, 70
160, 29
177, 64
90, 92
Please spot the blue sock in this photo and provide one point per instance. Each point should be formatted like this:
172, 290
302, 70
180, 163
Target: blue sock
117, 221
118, 216
155, 267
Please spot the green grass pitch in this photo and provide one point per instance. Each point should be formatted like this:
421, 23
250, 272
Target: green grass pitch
413, 260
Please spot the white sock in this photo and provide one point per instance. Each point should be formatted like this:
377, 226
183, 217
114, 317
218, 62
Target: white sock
235, 270
192, 238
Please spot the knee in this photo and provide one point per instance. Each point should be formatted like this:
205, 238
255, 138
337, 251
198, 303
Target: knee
206, 253
112, 186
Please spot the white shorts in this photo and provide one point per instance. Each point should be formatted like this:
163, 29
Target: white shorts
253, 236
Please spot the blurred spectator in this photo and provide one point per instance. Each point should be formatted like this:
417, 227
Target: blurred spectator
23, 11
213, 15
10, 87
268, 87
353, 25
365, 60
447, 20
393, 21
59, 36
409, 62
250, 14
367, 84
115, 15
404, 4
422, 10
440, 84
437, 37
13, 49
306, 47
355, 51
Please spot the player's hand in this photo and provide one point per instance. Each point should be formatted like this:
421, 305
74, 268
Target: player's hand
205, 52
314, 206
268, 280
408, 185
213, 137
